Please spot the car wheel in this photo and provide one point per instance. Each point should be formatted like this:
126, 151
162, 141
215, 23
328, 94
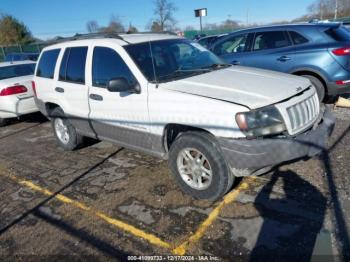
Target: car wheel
65, 133
197, 163
3, 122
320, 89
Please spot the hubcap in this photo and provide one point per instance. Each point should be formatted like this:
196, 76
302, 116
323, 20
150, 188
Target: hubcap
61, 131
194, 168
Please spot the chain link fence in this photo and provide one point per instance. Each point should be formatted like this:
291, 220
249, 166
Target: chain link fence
30, 48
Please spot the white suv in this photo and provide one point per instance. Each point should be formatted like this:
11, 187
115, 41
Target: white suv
172, 98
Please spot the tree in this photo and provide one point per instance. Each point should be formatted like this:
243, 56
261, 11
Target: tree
92, 26
114, 26
155, 27
164, 10
13, 31
132, 29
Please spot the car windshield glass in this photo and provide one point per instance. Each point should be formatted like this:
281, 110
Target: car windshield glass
16, 71
340, 34
167, 60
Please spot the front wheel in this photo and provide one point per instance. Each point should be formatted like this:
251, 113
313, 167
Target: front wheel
197, 163
64, 131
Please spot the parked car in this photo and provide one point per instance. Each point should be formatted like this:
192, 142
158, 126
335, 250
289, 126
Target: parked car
16, 93
320, 52
208, 41
21, 57
173, 99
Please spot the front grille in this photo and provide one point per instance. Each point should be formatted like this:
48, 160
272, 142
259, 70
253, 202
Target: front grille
303, 113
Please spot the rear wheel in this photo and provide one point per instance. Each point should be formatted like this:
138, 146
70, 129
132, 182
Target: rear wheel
65, 133
3, 122
320, 88
197, 163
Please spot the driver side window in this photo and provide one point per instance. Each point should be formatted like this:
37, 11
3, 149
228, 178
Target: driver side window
235, 44
107, 65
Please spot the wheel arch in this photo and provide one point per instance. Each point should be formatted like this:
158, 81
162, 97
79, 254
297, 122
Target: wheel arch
312, 72
172, 131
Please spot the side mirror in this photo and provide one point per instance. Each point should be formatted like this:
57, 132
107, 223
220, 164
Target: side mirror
120, 84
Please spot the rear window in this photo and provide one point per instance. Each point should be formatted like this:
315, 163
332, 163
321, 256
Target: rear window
73, 65
16, 71
341, 34
47, 63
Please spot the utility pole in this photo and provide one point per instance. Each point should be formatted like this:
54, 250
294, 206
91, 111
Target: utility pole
336, 10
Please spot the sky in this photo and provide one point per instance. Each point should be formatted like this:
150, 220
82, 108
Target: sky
49, 18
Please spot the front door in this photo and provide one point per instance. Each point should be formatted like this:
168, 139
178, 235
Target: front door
121, 117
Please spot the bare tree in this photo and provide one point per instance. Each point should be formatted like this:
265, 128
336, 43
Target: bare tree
92, 26
132, 29
164, 10
114, 26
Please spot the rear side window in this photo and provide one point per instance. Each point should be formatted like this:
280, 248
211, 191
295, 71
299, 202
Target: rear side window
107, 65
73, 65
270, 40
47, 63
16, 71
297, 38
340, 34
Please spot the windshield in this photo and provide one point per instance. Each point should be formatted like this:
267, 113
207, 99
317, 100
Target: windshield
167, 60
16, 71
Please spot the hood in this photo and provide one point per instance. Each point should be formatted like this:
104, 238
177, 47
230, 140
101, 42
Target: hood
246, 86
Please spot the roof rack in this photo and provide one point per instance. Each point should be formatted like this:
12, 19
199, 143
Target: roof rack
102, 35
87, 36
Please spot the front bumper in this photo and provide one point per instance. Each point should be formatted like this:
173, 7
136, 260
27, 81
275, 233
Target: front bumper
258, 154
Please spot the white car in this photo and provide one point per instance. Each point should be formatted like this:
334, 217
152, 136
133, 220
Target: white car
171, 98
16, 92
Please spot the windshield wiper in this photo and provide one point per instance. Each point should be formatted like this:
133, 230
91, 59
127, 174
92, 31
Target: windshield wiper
217, 66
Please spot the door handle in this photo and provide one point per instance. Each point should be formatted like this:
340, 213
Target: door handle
235, 62
284, 58
96, 97
59, 89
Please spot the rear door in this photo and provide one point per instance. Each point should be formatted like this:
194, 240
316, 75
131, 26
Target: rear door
71, 88
119, 117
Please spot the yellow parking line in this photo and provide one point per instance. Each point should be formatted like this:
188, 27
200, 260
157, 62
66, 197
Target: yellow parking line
229, 198
115, 222
179, 250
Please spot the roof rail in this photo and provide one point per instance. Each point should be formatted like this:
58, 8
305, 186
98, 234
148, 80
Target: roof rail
101, 35
163, 32
87, 36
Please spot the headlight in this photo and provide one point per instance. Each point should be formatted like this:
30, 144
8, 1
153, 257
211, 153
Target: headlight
261, 122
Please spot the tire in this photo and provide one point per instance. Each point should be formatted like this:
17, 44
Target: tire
192, 181
3, 122
65, 133
320, 88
